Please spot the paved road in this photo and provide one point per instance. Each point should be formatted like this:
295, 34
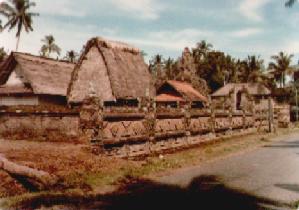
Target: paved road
271, 172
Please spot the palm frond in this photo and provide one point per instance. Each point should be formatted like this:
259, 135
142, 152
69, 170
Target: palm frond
290, 3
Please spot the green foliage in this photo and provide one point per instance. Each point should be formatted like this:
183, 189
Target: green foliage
280, 67
3, 54
290, 3
208, 69
71, 56
18, 16
49, 46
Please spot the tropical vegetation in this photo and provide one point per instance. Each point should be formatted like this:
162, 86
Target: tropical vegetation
18, 15
49, 46
203, 66
3, 54
209, 69
290, 3
281, 67
71, 56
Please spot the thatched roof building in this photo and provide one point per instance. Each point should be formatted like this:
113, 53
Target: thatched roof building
43, 75
176, 91
27, 75
241, 94
110, 70
253, 89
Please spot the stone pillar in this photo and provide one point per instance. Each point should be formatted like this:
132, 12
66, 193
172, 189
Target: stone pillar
270, 115
187, 119
244, 117
212, 117
91, 122
149, 108
99, 127
231, 116
253, 112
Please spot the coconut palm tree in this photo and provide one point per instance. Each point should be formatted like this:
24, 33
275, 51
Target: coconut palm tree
18, 15
49, 46
281, 67
201, 50
71, 56
143, 53
251, 70
156, 68
156, 64
3, 54
169, 68
290, 3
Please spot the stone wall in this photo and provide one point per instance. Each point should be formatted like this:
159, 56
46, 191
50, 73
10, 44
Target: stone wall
39, 126
130, 133
283, 114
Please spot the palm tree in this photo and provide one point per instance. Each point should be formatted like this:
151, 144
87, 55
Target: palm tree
156, 64
201, 50
18, 15
169, 68
156, 68
3, 54
290, 3
281, 67
251, 70
143, 53
49, 46
71, 56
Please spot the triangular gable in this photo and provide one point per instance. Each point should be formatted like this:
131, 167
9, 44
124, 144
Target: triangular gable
45, 76
114, 70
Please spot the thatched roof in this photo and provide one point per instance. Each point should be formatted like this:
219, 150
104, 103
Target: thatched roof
45, 76
253, 89
110, 70
164, 97
15, 90
185, 92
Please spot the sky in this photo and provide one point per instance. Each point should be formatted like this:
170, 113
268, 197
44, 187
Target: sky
237, 27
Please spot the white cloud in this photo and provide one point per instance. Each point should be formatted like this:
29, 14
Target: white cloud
136, 9
292, 47
71, 36
60, 8
252, 9
169, 40
144, 9
247, 32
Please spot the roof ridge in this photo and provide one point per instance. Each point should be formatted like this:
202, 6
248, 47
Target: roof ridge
42, 57
112, 44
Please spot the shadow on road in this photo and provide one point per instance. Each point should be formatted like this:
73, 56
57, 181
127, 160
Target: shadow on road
290, 187
205, 192
290, 144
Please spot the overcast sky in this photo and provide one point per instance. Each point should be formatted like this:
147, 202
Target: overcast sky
238, 27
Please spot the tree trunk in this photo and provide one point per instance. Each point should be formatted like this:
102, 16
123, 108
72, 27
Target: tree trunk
39, 179
18, 42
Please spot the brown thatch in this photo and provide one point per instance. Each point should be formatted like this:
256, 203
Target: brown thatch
181, 90
254, 89
164, 97
15, 90
110, 70
45, 76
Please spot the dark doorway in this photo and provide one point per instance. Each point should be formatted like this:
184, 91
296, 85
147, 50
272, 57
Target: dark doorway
239, 100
